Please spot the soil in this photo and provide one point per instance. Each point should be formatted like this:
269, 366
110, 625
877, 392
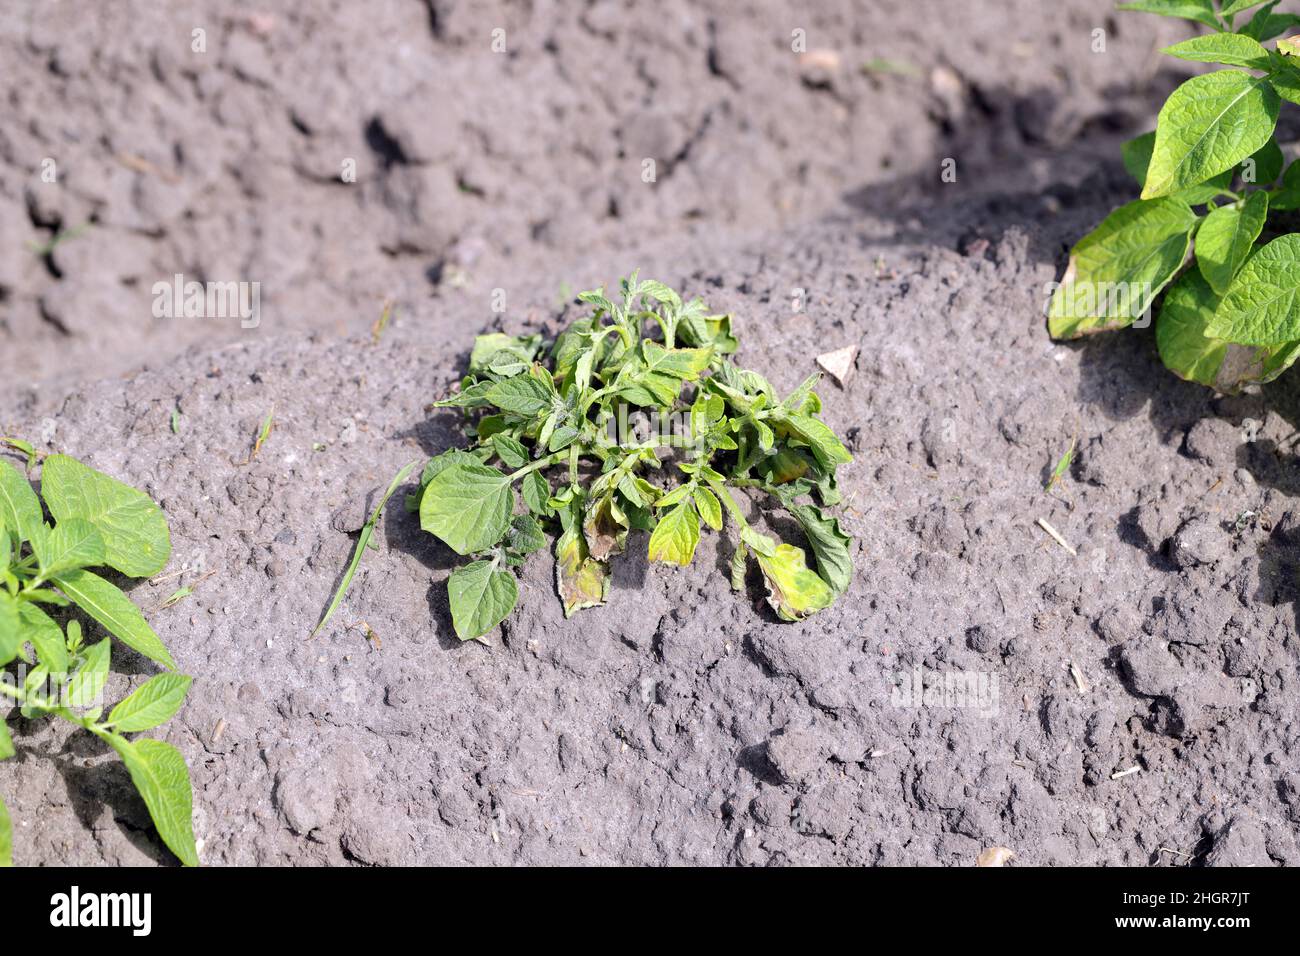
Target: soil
1135, 692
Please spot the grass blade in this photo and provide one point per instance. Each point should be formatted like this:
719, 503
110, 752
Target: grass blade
363, 541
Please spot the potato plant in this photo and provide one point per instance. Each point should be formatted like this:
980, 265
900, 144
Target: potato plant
559, 421
1213, 182
44, 574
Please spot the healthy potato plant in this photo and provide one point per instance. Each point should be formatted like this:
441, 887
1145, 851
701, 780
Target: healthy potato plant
1212, 180
44, 573
565, 422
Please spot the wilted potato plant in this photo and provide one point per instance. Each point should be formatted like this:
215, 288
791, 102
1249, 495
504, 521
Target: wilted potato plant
556, 419
1210, 183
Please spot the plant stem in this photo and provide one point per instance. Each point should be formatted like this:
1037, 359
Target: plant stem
540, 463
729, 502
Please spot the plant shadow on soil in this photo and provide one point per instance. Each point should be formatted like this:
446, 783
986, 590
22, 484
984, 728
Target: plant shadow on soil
402, 532
106, 784
1121, 375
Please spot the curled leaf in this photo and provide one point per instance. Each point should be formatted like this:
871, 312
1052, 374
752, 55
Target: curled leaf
793, 590
606, 528
580, 579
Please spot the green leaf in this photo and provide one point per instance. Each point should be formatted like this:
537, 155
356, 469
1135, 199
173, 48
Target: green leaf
523, 395
1286, 81
525, 535
658, 377
793, 590
159, 773
580, 579
74, 543
510, 450
497, 351
1229, 7
39, 628
1266, 24
86, 688
111, 608
830, 546
660, 293
134, 529
1261, 306
467, 506
439, 463
1230, 48
154, 703
1118, 269
676, 535
481, 597
10, 628
1208, 125
708, 331
1226, 238
20, 509
1287, 196
25, 447
1136, 154
469, 396
1264, 166
709, 507
1202, 11
6, 830
536, 493
6, 751
817, 435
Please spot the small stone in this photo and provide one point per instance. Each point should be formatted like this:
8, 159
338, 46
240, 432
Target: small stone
306, 799
1117, 624
1200, 541
1213, 441
795, 754
1239, 843
981, 638
818, 68
839, 364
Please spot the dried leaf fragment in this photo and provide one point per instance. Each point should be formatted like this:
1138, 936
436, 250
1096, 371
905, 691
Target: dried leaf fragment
995, 856
839, 363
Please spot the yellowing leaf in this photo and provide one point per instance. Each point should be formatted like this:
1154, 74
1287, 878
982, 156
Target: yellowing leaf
581, 580
794, 591
674, 538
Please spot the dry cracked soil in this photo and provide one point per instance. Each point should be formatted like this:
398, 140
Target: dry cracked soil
679, 723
